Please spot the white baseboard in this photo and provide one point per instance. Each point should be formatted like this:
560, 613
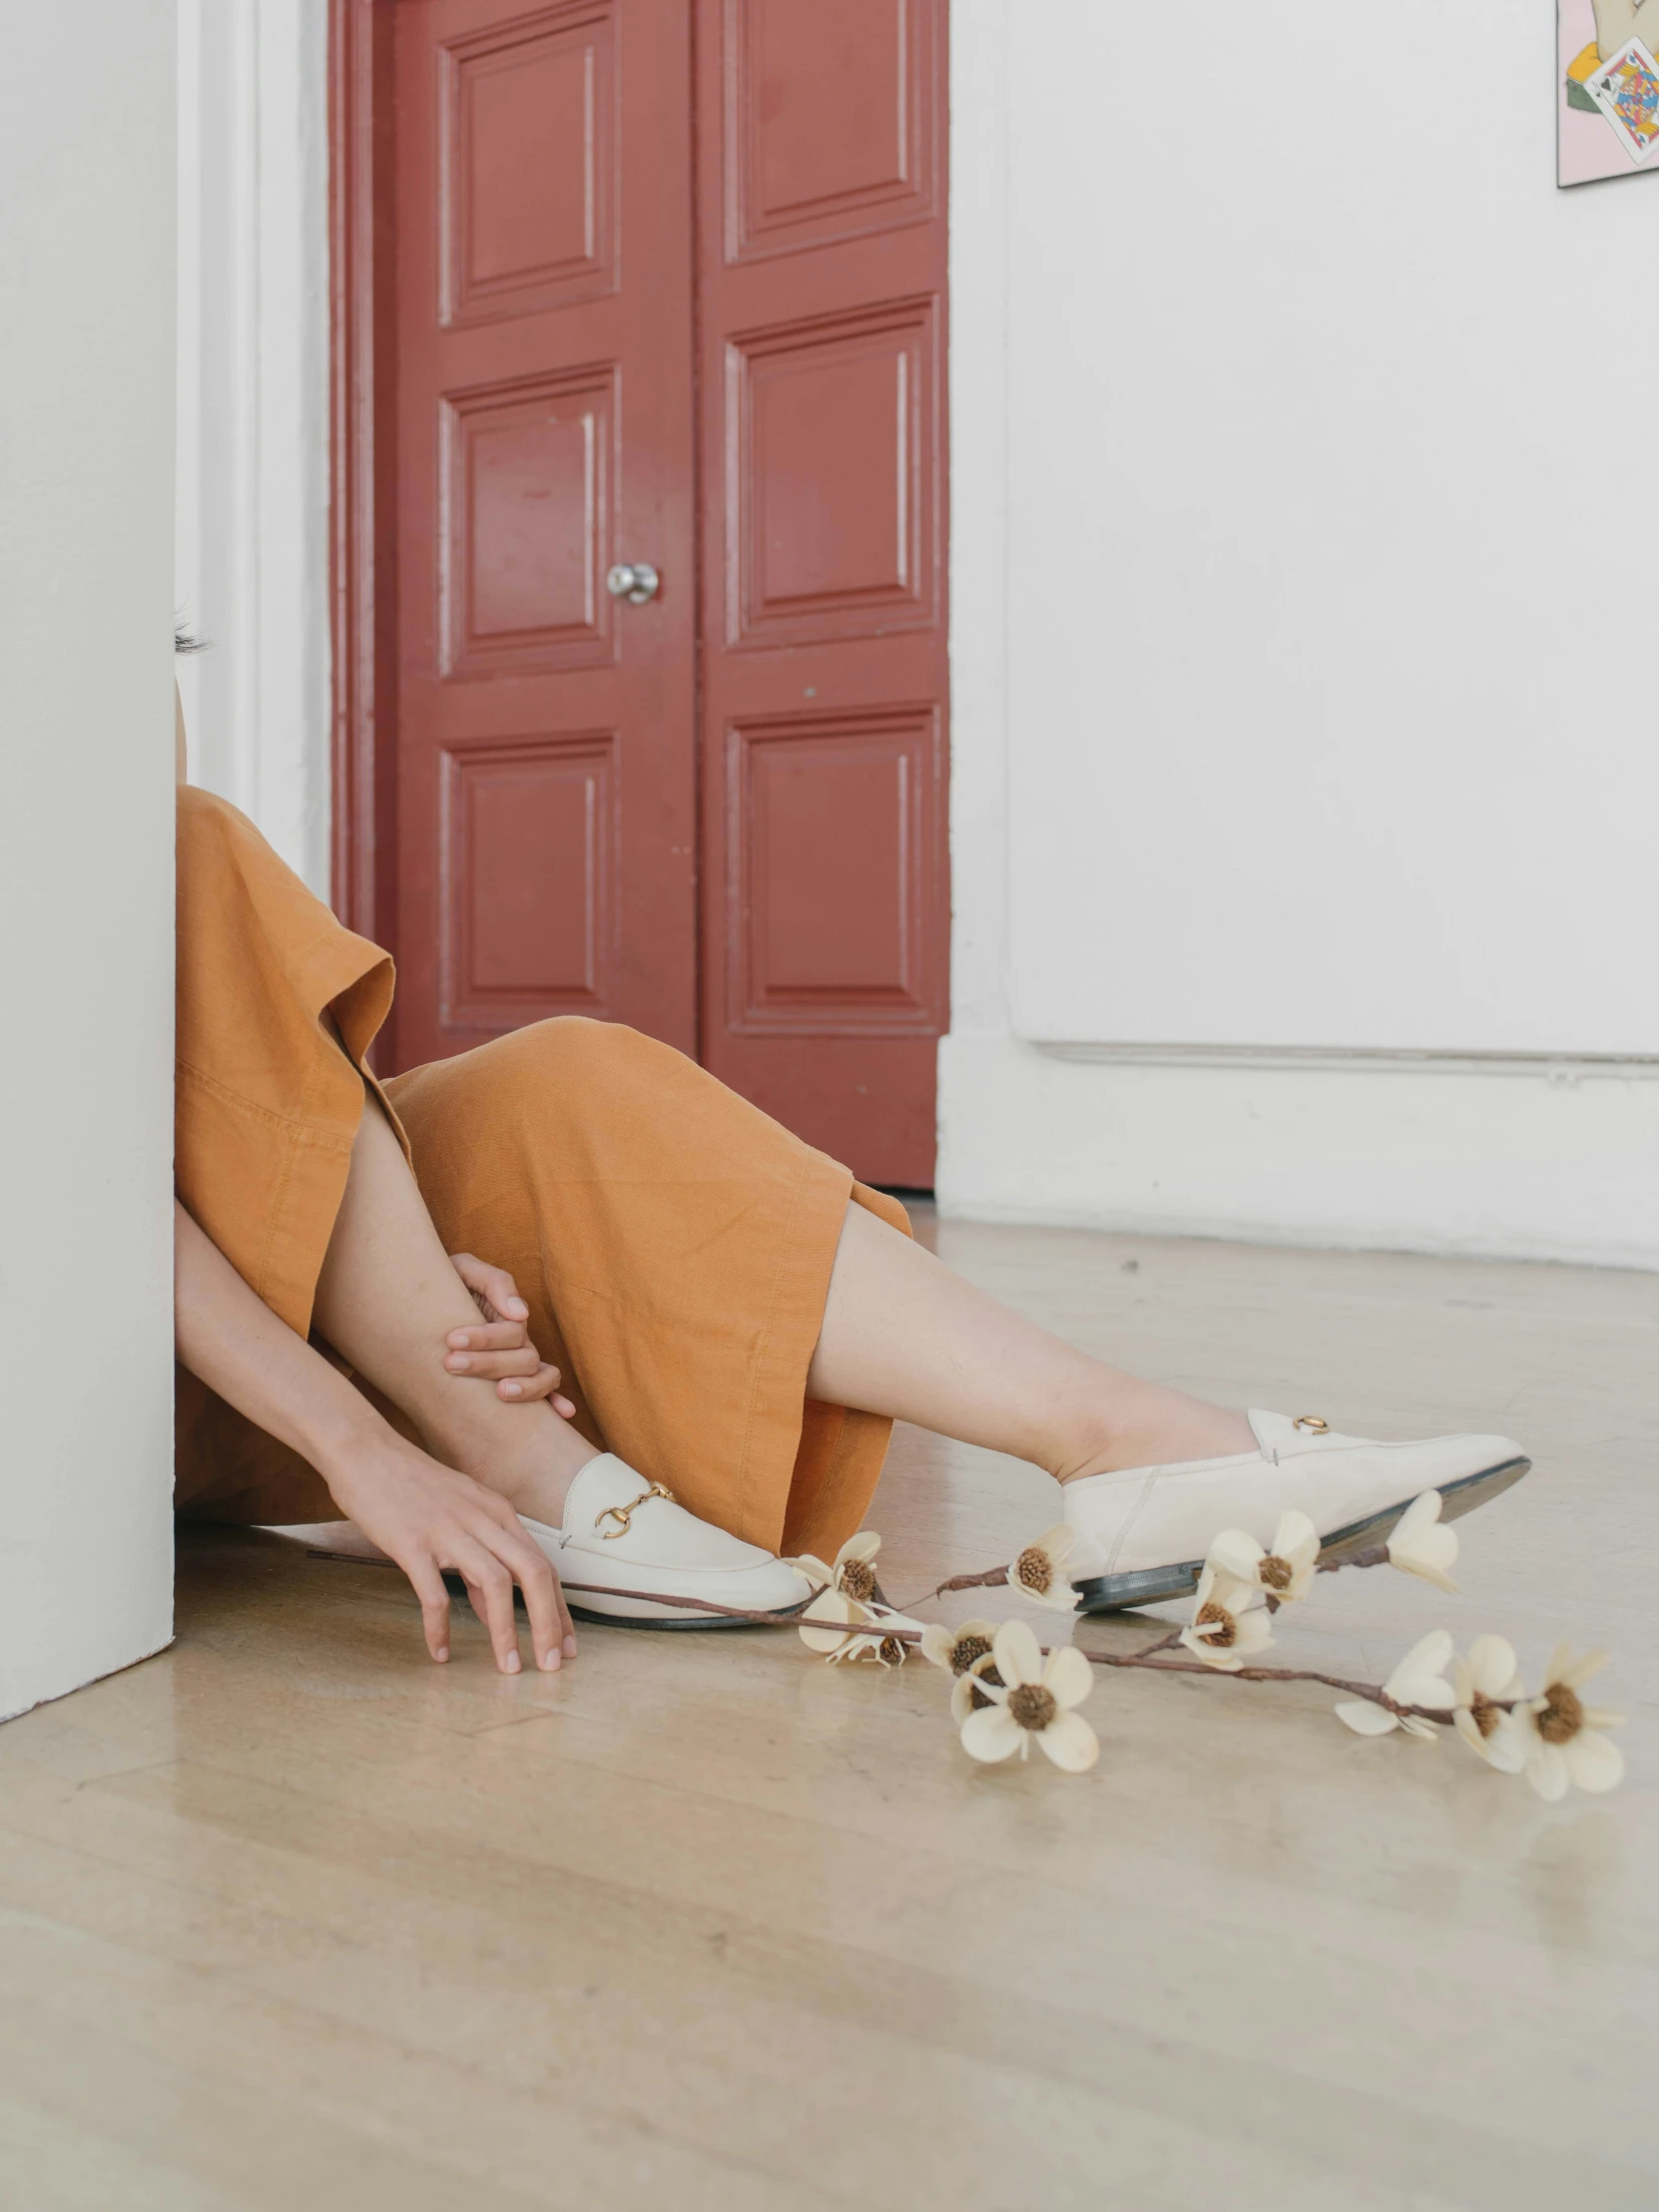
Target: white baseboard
1511, 1158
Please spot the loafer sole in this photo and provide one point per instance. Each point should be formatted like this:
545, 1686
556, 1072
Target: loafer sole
456, 1586
1112, 1594
668, 1622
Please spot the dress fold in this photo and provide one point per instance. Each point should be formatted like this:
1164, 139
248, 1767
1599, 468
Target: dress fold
673, 1242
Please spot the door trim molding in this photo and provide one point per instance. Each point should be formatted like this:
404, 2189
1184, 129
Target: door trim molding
1563, 1066
362, 579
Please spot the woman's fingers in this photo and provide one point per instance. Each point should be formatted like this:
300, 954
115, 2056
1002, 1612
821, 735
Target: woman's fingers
509, 1541
544, 1383
548, 1623
490, 1587
494, 1361
428, 1586
492, 1284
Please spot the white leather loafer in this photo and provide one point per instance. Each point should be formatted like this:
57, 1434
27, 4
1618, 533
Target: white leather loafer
622, 1532
1142, 1534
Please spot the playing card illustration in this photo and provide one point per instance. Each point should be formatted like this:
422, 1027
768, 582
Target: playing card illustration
1626, 90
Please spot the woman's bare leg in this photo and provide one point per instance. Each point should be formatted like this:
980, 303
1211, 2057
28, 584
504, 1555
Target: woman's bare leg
387, 1298
901, 1335
905, 1336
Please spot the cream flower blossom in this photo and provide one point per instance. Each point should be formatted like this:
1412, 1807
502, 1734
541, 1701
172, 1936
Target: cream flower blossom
852, 1570
1563, 1737
1033, 1701
973, 1689
1419, 1679
1282, 1573
1420, 1545
1483, 1682
841, 1627
1039, 1576
1224, 1631
956, 1649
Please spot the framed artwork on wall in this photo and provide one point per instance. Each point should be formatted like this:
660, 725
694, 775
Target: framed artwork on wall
1606, 90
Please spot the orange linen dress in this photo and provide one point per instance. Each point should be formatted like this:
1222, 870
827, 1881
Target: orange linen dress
673, 1243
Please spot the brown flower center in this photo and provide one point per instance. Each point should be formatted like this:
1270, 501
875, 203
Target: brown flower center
893, 1650
965, 1650
976, 1696
1484, 1713
1032, 1706
1034, 1571
1275, 1573
1225, 1627
1562, 1715
858, 1579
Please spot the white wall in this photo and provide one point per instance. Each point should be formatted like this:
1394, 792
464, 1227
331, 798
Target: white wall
86, 842
252, 563
1303, 695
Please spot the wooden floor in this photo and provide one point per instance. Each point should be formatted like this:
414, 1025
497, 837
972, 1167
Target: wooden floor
290, 1920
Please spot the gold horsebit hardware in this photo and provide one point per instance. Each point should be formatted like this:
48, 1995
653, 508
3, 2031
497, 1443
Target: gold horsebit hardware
623, 1514
1311, 1421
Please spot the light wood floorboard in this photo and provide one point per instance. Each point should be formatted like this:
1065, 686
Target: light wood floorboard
291, 1918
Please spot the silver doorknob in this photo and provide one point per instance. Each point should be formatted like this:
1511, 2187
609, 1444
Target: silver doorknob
635, 581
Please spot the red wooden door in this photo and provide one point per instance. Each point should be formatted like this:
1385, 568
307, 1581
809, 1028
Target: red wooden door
546, 757
531, 784
821, 266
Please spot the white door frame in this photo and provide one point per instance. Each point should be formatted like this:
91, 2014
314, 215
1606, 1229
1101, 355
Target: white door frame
253, 439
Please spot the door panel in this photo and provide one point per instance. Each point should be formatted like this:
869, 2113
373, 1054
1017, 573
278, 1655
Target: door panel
833, 428
822, 273
546, 772
831, 115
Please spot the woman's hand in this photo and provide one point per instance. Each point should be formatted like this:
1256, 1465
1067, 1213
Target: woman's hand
500, 1351
422, 1515
427, 1517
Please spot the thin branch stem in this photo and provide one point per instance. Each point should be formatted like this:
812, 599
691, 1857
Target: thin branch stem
1146, 1660
989, 1580
1373, 1555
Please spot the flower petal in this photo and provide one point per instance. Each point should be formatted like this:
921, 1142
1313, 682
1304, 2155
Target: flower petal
1061, 1597
837, 1610
1425, 1731
1057, 1541
1595, 1762
1254, 1634
990, 1734
937, 1644
1428, 1551
1365, 1718
1546, 1770
1420, 1670
817, 1573
1018, 1655
863, 1546
1463, 1721
962, 1700
1068, 1677
1505, 1747
1237, 1554
1070, 1742
1295, 1532
1224, 1661
1491, 1666
1418, 1516
1581, 1671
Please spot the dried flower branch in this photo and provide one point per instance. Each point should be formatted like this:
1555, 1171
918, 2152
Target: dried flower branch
1007, 1690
